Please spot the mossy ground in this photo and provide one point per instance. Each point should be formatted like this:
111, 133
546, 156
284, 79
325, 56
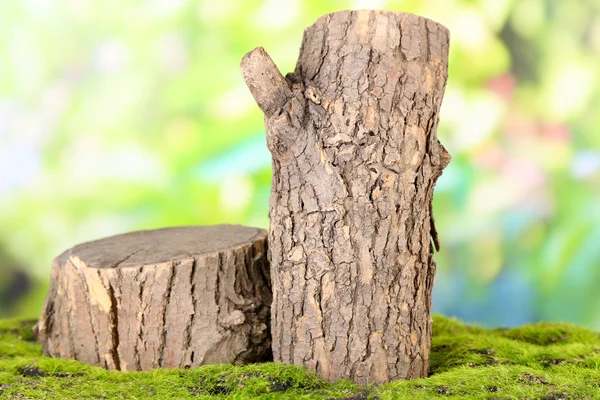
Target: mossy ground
541, 361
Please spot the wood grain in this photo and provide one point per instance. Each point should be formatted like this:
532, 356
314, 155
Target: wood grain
174, 297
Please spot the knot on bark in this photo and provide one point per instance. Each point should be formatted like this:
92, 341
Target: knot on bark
285, 125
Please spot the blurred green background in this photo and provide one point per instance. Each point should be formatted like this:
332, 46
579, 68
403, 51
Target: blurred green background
124, 115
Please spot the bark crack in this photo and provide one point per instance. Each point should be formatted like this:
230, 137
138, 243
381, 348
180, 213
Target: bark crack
220, 262
166, 301
141, 324
90, 316
188, 329
71, 341
114, 321
121, 261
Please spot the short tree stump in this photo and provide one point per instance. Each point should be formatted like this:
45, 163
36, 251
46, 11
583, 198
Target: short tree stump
174, 298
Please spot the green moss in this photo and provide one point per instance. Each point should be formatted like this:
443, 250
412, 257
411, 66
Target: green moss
540, 361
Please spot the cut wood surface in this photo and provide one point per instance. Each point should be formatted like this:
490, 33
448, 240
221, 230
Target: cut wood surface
352, 133
173, 297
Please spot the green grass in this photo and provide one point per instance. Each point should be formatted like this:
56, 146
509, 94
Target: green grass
540, 361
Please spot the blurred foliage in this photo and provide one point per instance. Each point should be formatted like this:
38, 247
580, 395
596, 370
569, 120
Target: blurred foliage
116, 116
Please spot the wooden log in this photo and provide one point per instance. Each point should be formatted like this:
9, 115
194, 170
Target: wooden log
352, 134
174, 297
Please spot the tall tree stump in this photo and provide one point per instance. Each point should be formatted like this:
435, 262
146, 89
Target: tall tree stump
352, 134
174, 297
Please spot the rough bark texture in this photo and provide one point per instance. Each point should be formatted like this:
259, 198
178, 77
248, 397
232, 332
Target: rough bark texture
175, 297
352, 133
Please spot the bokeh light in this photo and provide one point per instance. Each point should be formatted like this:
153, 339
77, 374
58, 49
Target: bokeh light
117, 116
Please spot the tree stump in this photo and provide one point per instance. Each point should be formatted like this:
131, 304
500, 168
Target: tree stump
174, 297
352, 134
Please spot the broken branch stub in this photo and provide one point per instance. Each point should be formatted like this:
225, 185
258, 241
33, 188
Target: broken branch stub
268, 87
352, 134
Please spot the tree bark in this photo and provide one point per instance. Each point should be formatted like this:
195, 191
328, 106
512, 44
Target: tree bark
352, 134
175, 297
